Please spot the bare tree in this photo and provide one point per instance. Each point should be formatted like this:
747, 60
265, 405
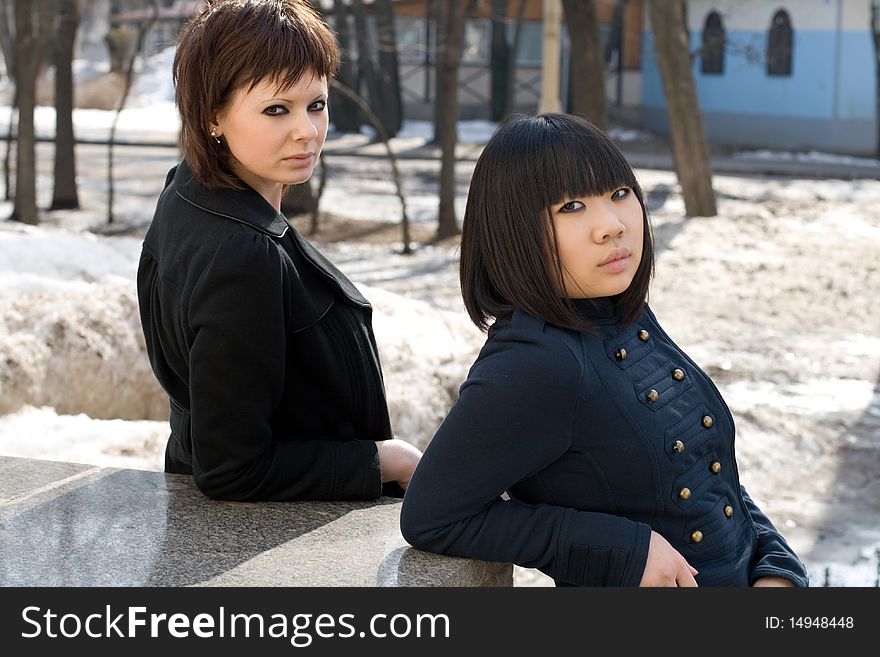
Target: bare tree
875, 31
33, 20
367, 74
383, 137
451, 35
689, 146
499, 63
389, 72
588, 96
346, 116
129, 79
503, 58
64, 195
7, 44
510, 92
615, 43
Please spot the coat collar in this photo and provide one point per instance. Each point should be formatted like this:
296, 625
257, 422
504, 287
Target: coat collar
243, 205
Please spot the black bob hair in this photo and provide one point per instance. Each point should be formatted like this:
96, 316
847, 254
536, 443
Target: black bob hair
509, 258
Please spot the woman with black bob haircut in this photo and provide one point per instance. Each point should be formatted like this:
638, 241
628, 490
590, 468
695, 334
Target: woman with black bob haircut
265, 349
584, 442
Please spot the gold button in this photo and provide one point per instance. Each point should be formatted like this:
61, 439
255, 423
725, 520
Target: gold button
678, 447
678, 374
684, 493
652, 395
696, 536
728, 511
620, 354
644, 335
708, 421
715, 467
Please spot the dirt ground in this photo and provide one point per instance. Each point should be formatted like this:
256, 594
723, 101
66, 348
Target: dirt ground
776, 298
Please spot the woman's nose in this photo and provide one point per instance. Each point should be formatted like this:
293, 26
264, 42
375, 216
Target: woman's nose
303, 128
608, 224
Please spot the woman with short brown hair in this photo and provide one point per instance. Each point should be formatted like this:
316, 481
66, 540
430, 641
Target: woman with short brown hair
266, 349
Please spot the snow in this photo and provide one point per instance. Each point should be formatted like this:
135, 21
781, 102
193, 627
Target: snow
809, 156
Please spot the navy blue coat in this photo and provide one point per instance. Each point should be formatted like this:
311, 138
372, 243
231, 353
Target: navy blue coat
265, 349
597, 440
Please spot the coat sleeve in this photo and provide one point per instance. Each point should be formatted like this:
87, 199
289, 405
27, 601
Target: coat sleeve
237, 319
773, 556
514, 417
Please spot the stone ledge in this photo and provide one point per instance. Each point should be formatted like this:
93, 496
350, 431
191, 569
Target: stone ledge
66, 524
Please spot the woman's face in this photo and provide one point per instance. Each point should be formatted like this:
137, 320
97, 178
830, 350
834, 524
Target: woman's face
599, 242
275, 135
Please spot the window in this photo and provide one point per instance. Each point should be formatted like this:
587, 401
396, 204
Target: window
530, 49
411, 36
779, 44
712, 53
477, 37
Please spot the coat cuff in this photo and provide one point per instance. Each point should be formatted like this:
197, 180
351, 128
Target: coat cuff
357, 473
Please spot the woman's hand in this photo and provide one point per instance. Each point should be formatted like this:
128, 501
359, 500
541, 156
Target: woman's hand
398, 460
666, 566
773, 581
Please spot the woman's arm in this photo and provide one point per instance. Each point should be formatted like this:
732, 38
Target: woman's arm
513, 418
774, 558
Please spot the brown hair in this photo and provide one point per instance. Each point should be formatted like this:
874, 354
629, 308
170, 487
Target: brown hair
235, 44
531, 163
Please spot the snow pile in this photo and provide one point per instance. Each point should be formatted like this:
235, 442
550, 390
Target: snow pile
71, 343
425, 354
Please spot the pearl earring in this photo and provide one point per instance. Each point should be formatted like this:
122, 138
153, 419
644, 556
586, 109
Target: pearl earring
214, 135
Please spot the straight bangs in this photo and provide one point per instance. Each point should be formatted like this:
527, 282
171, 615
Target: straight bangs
576, 165
282, 46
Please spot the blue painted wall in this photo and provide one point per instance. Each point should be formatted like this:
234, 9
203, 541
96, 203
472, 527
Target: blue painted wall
833, 78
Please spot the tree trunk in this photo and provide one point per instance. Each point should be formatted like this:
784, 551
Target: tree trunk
510, 98
389, 71
616, 43
343, 112
447, 113
551, 43
366, 68
27, 62
689, 147
7, 44
875, 31
380, 131
587, 63
64, 195
129, 79
438, 12
10, 137
500, 61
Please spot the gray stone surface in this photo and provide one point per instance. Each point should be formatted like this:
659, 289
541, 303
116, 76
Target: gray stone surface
21, 477
64, 524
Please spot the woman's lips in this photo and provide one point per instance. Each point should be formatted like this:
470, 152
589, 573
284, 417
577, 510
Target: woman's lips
616, 261
300, 160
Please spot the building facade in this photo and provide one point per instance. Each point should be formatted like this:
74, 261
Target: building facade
796, 75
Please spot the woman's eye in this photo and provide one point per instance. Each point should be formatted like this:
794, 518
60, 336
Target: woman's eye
571, 206
618, 194
275, 110
318, 106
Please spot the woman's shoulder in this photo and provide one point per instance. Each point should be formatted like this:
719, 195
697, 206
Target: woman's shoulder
528, 346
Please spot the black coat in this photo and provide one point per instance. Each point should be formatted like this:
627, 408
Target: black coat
265, 349
598, 439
